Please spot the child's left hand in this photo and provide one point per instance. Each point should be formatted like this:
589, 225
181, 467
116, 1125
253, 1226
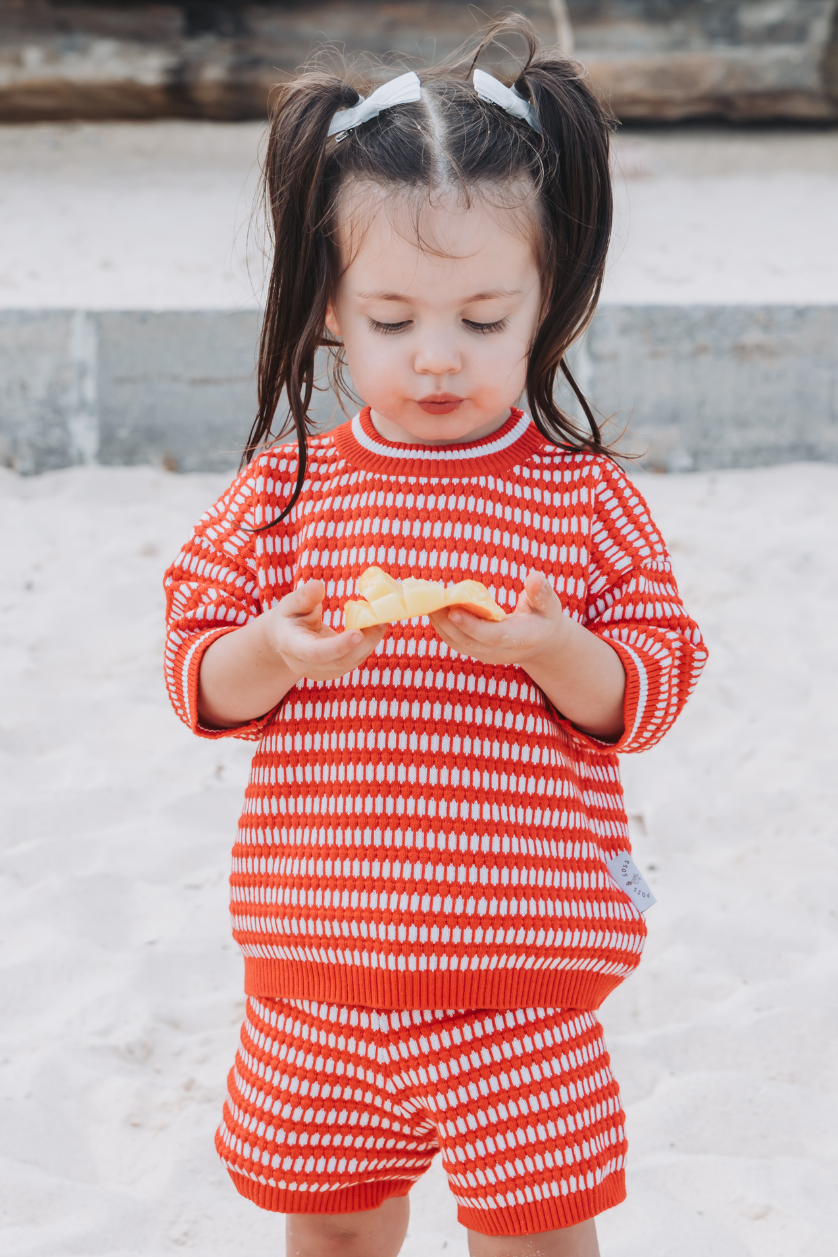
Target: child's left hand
537, 626
579, 672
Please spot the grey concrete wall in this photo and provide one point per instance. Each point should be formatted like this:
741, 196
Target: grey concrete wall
696, 386
718, 386
175, 388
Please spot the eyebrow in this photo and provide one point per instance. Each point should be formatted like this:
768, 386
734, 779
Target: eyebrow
478, 296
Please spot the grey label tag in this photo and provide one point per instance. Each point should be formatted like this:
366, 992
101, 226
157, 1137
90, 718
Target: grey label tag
629, 878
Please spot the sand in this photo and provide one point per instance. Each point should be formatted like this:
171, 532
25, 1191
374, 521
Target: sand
121, 988
155, 216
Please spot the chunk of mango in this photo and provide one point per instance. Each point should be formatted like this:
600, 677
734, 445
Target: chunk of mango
421, 597
375, 583
385, 600
473, 596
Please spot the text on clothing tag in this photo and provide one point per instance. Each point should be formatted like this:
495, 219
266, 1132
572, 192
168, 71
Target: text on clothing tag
629, 878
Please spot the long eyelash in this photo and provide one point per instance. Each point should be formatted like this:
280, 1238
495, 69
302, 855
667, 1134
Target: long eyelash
388, 327
487, 327
483, 328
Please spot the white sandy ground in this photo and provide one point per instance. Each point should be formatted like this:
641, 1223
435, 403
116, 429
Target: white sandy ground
155, 216
121, 990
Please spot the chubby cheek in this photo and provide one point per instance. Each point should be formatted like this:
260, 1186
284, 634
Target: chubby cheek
498, 370
377, 367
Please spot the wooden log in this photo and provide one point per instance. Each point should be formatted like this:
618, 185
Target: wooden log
654, 60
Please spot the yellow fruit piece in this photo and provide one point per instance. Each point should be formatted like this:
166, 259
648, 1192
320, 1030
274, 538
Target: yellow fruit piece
386, 601
473, 596
358, 615
375, 583
422, 597
390, 609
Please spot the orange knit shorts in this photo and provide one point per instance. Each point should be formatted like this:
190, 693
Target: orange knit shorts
333, 1110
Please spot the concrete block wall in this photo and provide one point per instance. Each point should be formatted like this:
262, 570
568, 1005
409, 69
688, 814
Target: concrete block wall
696, 387
718, 386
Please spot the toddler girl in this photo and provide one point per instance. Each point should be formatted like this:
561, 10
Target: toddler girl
420, 885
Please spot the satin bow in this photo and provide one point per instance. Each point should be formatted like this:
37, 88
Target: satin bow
491, 89
401, 91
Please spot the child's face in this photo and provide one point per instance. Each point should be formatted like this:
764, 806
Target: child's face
436, 337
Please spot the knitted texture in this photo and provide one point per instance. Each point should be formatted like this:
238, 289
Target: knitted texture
427, 831
333, 1110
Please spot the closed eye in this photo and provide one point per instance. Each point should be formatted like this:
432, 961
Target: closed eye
388, 328
499, 326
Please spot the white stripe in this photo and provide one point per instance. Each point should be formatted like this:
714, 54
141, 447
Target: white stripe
644, 689
185, 670
381, 960
441, 455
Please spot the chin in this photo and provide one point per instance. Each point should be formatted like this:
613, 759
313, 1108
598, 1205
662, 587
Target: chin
423, 428
439, 431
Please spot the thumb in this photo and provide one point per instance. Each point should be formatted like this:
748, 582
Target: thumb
539, 591
304, 598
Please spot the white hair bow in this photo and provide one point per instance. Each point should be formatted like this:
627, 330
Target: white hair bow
401, 91
490, 88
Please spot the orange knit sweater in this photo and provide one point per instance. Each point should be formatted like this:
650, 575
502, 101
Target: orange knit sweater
427, 831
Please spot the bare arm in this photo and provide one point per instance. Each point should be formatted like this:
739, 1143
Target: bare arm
246, 673
578, 671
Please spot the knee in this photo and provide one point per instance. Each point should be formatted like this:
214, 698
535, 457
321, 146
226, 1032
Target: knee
370, 1233
323, 1234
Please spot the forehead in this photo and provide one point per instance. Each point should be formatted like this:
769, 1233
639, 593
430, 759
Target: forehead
414, 243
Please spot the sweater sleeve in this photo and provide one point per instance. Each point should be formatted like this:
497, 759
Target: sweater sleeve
213, 588
633, 603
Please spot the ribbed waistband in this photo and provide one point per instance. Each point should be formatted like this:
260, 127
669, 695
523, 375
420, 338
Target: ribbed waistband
376, 988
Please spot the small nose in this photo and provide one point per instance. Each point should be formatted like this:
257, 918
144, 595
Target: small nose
436, 356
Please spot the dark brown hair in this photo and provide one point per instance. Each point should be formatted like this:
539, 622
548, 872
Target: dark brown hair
448, 137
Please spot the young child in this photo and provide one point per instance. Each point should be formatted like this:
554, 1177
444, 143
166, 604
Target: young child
419, 885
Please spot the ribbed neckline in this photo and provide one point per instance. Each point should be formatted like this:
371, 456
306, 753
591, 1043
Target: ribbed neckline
513, 443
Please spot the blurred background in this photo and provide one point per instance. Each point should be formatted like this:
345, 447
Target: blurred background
656, 60
131, 264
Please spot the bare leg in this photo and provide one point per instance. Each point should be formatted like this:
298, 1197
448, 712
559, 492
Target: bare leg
570, 1241
373, 1233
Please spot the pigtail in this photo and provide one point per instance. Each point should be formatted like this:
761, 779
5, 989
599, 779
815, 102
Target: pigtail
569, 165
576, 195
297, 198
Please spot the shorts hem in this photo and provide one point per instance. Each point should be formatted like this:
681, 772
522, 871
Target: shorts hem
552, 1214
356, 1199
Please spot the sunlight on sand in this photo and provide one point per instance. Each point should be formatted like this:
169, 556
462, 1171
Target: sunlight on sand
121, 987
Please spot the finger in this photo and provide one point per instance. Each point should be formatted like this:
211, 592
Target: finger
459, 640
304, 599
446, 630
539, 592
373, 635
319, 649
474, 628
357, 652
348, 648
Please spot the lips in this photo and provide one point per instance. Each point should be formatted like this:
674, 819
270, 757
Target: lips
440, 403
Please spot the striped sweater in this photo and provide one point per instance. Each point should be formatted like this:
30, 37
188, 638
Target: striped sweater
428, 831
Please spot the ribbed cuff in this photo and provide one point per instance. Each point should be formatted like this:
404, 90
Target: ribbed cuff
635, 685
278, 1199
551, 1214
191, 667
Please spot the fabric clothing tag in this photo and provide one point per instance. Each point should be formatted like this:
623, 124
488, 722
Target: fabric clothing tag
629, 878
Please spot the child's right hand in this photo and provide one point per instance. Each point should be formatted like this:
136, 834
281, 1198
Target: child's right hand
308, 647
246, 673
